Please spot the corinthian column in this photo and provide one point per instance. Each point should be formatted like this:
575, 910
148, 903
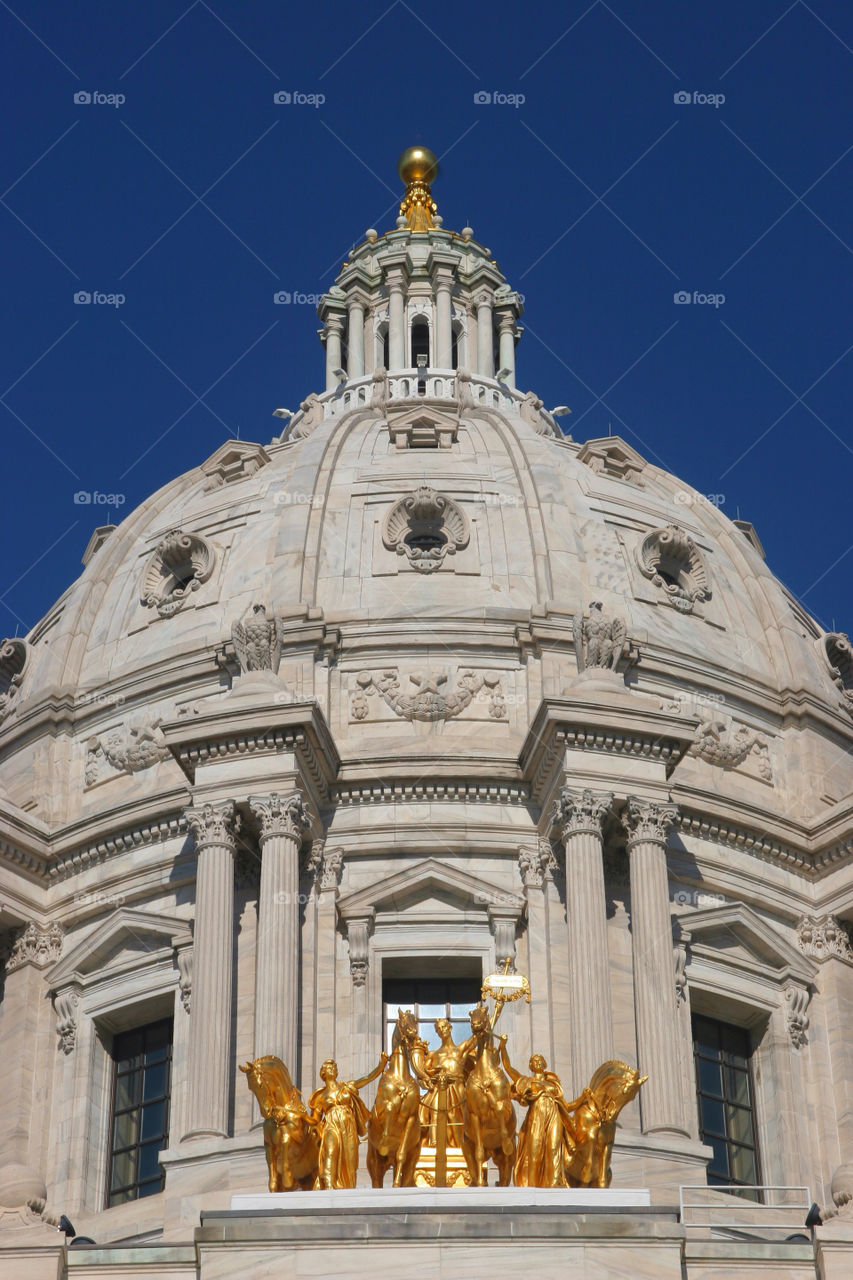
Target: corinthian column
648, 824
214, 827
581, 815
283, 821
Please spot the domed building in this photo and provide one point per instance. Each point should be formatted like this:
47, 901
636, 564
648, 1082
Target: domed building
419, 691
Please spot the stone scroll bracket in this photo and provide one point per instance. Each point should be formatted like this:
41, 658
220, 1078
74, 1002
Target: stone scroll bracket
358, 931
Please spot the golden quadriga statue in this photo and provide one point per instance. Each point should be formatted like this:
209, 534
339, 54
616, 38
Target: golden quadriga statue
291, 1137
394, 1128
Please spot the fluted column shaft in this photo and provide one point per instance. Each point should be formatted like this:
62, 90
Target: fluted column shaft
506, 350
648, 825
283, 820
355, 340
396, 324
334, 329
485, 339
214, 827
582, 814
444, 325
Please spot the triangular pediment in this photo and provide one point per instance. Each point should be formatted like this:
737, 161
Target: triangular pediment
421, 415
234, 460
613, 456
125, 939
430, 885
736, 934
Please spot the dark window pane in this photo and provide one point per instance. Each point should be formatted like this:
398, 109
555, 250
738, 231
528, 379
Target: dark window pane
124, 1168
148, 1164
720, 1162
153, 1121
154, 1081
737, 1087
743, 1164
126, 1129
126, 1091
710, 1077
712, 1116
140, 1110
740, 1125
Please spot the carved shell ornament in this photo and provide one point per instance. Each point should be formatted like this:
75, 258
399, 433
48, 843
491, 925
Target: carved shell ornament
426, 527
181, 563
670, 559
838, 652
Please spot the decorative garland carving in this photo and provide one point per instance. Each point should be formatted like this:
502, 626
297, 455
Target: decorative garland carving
40, 947
181, 563
718, 742
430, 702
671, 560
13, 660
125, 750
823, 936
426, 527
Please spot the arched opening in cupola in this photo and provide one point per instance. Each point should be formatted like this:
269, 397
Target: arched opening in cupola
420, 340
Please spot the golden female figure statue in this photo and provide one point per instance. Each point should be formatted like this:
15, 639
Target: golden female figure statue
342, 1117
291, 1140
444, 1068
490, 1119
545, 1141
393, 1130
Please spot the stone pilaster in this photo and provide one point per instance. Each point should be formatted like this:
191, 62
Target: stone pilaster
283, 821
581, 815
661, 1105
214, 827
534, 865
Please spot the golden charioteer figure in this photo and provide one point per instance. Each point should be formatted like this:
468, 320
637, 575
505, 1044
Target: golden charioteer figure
467, 1105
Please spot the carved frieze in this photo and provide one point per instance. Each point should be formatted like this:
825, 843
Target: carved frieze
430, 699
426, 527
178, 567
127, 749
36, 946
718, 742
820, 937
13, 661
670, 559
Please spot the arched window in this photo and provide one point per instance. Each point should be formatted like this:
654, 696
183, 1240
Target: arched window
420, 340
381, 348
454, 347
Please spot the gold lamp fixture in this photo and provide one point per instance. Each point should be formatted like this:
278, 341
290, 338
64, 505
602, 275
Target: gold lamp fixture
418, 167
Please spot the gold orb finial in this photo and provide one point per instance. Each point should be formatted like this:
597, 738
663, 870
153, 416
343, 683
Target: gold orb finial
418, 167
418, 164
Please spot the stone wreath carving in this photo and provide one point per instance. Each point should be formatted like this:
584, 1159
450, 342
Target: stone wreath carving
670, 559
13, 660
838, 652
125, 750
181, 563
718, 742
430, 701
426, 527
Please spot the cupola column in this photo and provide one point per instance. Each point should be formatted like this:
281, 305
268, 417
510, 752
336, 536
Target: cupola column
355, 339
485, 339
442, 266
334, 330
214, 827
395, 279
506, 350
648, 824
581, 815
283, 821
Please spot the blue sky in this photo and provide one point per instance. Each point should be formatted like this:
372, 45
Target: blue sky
198, 197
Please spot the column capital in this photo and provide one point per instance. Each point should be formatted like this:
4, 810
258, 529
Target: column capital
36, 946
582, 811
213, 824
648, 820
281, 815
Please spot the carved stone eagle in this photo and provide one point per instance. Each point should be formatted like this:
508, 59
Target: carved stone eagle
257, 641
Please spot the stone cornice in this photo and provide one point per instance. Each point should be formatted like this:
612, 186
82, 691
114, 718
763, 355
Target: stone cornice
382, 791
235, 729
617, 726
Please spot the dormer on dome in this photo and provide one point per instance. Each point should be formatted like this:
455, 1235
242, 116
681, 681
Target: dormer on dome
234, 460
420, 299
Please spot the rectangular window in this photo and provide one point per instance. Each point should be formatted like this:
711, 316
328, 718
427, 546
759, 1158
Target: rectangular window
140, 1114
429, 999
725, 1095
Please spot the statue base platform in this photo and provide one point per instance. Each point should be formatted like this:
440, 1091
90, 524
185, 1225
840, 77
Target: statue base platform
446, 1199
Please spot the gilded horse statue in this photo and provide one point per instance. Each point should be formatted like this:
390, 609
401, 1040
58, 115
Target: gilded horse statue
593, 1129
394, 1128
490, 1118
291, 1139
